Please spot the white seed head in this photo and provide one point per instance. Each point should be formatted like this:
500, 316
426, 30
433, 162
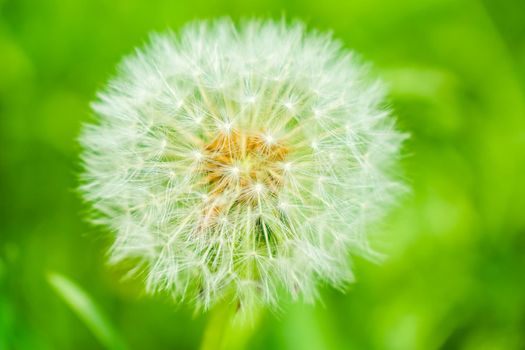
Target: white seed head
224, 162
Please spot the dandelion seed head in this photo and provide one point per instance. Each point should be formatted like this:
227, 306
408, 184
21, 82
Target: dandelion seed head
240, 162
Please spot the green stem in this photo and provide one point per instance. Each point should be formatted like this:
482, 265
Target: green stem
219, 320
223, 331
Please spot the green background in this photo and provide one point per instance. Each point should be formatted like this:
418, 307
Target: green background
455, 278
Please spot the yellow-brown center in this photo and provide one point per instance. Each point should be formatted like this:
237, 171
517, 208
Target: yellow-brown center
242, 167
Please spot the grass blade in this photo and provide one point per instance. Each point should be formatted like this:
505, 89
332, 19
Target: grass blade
87, 310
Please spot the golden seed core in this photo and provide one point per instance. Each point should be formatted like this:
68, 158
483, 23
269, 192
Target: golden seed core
242, 166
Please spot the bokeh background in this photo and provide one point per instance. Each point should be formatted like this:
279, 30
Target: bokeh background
455, 277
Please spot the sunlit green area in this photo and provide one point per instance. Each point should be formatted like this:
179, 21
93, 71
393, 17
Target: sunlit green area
455, 275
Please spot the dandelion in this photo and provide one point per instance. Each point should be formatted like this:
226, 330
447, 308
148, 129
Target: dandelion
240, 162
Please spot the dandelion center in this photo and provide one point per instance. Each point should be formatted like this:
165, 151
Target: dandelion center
243, 165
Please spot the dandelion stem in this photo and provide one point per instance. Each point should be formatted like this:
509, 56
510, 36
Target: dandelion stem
219, 320
225, 331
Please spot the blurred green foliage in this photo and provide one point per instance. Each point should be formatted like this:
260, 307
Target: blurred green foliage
455, 276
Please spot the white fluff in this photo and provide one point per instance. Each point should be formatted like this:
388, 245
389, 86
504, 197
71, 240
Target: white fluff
232, 162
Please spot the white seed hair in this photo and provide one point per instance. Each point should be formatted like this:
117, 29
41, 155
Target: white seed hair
206, 229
